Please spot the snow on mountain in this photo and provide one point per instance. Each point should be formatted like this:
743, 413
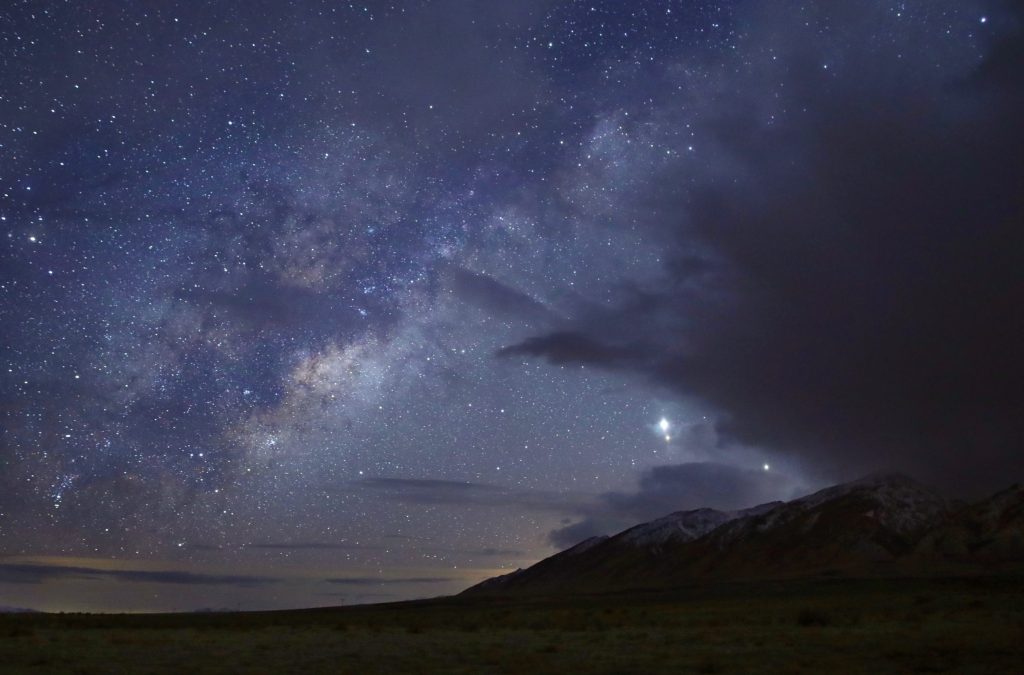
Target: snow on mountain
894, 502
900, 503
683, 526
878, 523
585, 545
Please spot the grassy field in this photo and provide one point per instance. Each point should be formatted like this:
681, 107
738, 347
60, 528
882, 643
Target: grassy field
966, 625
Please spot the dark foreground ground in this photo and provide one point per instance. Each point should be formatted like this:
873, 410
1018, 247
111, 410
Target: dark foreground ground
965, 625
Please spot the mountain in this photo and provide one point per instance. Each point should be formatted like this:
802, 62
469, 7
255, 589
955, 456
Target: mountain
991, 531
684, 526
880, 523
602, 556
876, 519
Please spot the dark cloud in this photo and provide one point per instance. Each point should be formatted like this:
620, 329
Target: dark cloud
662, 490
357, 597
470, 553
202, 547
31, 573
377, 581
308, 546
497, 298
675, 487
295, 263
566, 347
427, 485
496, 552
263, 304
346, 546
406, 537
459, 493
857, 301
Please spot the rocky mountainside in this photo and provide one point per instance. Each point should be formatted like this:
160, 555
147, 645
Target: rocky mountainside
881, 522
593, 556
683, 526
991, 531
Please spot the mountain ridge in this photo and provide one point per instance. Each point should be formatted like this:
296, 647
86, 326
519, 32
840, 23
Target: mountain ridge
883, 522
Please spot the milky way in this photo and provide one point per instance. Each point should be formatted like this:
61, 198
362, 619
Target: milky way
310, 302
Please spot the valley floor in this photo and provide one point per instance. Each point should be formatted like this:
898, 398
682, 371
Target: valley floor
962, 625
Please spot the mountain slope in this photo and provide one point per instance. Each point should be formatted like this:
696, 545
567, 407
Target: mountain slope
600, 557
874, 520
850, 528
991, 531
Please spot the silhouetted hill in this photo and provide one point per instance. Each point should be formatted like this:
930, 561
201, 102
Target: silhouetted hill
880, 523
991, 531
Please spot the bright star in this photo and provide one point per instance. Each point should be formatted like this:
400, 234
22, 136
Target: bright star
663, 425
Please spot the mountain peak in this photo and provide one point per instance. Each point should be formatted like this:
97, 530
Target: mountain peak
887, 478
893, 500
883, 521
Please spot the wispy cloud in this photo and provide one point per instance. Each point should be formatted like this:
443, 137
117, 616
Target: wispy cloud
380, 581
420, 543
27, 573
462, 493
309, 546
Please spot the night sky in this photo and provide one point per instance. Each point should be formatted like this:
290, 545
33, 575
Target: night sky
310, 303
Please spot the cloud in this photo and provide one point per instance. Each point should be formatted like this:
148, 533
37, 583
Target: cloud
459, 493
307, 546
568, 347
378, 581
346, 546
26, 573
261, 303
427, 486
494, 551
496, 297
665, 489
856, 298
